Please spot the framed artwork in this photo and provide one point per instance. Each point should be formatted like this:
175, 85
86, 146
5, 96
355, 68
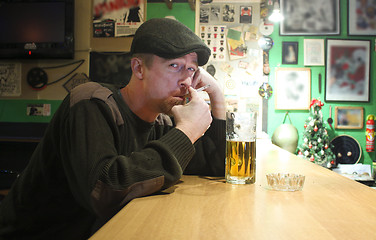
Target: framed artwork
347, 70
293, 88
289, 52
361, 17
245, 14
314, 52
348, 118
110, 67
307, 17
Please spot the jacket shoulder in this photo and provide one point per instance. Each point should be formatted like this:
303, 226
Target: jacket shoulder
94, 90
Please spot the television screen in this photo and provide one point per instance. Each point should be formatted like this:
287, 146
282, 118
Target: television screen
36, 29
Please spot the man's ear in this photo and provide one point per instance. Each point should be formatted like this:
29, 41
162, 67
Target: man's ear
137, 67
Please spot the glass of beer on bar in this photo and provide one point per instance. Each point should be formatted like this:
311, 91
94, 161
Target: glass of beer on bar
241, 147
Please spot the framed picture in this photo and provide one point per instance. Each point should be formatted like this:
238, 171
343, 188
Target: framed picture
307, 17
348, 118
289, 52
245, 14
347, 70
293, 88
314, 52
361, 17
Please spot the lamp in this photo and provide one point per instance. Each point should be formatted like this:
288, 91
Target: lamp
276, 15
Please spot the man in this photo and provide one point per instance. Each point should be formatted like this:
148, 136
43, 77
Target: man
107, 146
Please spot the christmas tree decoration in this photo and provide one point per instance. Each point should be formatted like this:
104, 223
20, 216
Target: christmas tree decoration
316, 146
286, 136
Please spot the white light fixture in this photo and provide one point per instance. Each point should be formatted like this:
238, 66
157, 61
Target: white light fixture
276, 15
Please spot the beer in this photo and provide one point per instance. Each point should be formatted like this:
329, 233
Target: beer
240, 162
241, 147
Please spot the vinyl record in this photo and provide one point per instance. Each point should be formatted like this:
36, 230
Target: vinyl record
266, 29
347, 149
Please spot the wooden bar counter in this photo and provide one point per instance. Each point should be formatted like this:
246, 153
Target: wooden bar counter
330, 206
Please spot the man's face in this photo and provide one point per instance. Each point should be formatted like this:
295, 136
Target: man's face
167, 80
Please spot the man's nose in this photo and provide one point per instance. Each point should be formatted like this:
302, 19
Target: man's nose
187, 78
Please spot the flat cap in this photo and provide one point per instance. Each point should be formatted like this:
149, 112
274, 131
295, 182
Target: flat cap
168, 38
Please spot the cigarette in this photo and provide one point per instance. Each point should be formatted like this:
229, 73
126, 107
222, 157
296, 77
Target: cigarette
198, 90
202, 88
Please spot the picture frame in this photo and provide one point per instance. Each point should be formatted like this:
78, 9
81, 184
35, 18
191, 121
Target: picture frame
347, 70
290, 52
306, 17
348, 117
245, 14
359, 22
293, 88
314, 52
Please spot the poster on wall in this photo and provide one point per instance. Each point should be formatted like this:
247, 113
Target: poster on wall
306, 17
293, 88
362, 17
113, 18
347, 70
38, 110
10, 79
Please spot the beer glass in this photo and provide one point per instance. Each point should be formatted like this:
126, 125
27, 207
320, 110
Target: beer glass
241, 147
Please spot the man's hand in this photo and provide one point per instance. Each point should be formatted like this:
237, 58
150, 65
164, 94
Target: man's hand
194, 118
217, 99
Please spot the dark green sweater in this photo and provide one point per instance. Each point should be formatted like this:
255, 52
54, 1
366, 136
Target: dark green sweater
95, 157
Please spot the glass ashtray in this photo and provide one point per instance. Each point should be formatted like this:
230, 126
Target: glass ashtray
285, 181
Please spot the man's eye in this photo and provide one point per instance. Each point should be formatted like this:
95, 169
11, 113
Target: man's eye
192, 69
174, 65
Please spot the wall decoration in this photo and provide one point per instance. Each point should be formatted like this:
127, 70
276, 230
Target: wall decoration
265, 43
237, 48
228, 14
10, 79
231, 31
110, 67
314, 52
75, 80
348, 118
361, 17
293, 88
306, 17
112, 18
347, 70
245, 14
215, 38
38, 110
289, 52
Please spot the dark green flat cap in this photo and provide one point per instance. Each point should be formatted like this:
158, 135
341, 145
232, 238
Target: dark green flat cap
168, 38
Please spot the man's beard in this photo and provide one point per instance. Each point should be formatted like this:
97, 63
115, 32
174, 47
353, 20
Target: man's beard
169, 103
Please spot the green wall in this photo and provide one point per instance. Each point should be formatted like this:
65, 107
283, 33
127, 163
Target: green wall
298, 117
15, 110
181, 11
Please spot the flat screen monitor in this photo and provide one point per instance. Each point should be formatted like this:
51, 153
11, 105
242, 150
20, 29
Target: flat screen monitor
36, 29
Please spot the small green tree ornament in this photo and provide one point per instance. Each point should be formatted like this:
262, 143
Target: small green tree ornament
316, 145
